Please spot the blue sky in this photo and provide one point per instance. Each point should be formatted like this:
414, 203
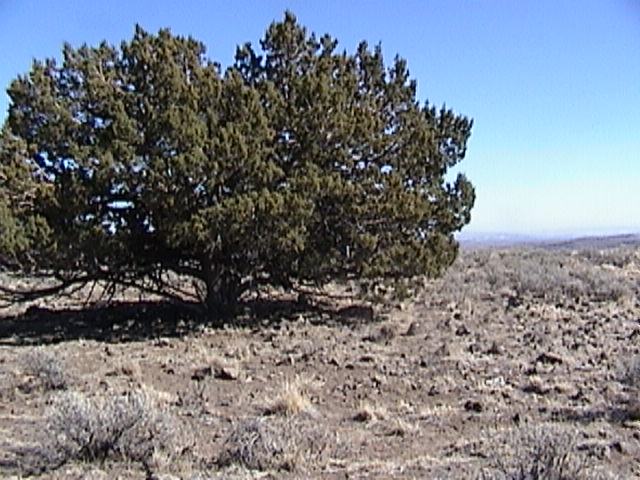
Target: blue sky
553, 85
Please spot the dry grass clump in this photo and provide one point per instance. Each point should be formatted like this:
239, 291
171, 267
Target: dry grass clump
45, 370
288, 438
292, 399
368, 412
277, 443
540, 452
193, 399
398, 427
131, 427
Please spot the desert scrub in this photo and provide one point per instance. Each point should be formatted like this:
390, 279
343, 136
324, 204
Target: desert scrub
277, 443
193, 399
630, 377
553, 276
130, 427
630, 372
620, 257
540, 452
556, 276
290, 435
44, 370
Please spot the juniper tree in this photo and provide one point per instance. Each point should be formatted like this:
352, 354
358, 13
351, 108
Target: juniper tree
297, 163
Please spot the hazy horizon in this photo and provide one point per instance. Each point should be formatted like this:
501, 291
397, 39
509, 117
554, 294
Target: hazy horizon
553, 87
551, 234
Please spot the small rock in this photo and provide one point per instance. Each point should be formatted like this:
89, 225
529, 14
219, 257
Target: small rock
200, 374
536, 387
513, 301
578, 395
473, 406
304, 299
633, 410
168, 369
443, 351
335, 362
357, 313
549, 358
494, 349
474, 348
621, 447
384, 335
161, 342
218, 370
567, 388
462, 330
226, 372
413, 329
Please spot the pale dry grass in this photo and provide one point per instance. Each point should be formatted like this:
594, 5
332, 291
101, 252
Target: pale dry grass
292, 399
368, 412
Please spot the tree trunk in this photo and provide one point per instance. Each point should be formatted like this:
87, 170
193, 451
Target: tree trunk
223, 292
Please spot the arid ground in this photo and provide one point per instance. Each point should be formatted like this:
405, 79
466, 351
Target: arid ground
520, 361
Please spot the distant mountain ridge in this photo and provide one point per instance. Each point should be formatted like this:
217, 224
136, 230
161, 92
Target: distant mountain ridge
565, 242
598, 242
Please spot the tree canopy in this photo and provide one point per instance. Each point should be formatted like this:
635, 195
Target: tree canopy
298, 163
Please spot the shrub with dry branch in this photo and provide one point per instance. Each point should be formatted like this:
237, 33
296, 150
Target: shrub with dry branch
131, 426
45, 369
277, 443
540, 452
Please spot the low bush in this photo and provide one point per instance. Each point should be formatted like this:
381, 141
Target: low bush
277, 443
130, 426
45, 370
540, 452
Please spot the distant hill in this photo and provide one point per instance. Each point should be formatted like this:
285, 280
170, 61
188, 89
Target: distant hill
597, 242
488, 240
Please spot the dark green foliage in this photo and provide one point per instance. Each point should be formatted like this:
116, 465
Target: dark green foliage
299, 163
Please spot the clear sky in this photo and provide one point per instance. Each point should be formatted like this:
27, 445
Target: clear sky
552, 85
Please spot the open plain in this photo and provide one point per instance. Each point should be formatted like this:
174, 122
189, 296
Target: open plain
519, 361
